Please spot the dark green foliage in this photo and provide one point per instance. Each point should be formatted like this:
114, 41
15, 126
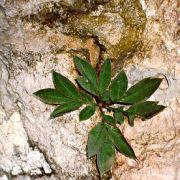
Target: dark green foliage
104, 77
96, 139
118, 86
51, 96
106, 96
106, 156
87, 112
66, 107
109, 119
65, 86
87, 98
120, 142
141, 91
87, 85
99, 92
86, 70
144, 110
118, 116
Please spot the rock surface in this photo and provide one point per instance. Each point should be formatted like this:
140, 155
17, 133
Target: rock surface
118, 25
39, 36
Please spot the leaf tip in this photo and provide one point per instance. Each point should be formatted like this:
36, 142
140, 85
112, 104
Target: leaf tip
158, 79
51, 116
161, 79
101, 173
108, 60
75, 59
36, 94
131, 123
53, 72
134, 157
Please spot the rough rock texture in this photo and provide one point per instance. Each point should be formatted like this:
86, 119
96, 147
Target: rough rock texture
38, 36
118, 25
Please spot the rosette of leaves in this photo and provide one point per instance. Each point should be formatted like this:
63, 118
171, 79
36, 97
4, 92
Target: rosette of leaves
110, 96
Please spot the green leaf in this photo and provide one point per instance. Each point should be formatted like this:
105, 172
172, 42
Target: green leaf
51, 96
87, 98
144, 110
120, 142
106, 96
118, 86
141, 91
65, 86
109, 119
131, 117
96, 138
105, 76
118, 116
86, 69
65, 108
106, 156
87, 112
86, 85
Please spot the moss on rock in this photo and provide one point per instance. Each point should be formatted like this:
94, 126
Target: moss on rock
119, 27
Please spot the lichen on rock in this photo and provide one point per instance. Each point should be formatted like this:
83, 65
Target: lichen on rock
119, 26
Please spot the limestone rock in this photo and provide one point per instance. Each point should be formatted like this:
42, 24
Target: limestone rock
118, 25
32, 43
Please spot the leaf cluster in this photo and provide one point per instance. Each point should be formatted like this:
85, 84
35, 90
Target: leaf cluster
110, 96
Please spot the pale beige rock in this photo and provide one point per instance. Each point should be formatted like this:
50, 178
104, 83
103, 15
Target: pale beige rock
16, 154
157, 141
32, 144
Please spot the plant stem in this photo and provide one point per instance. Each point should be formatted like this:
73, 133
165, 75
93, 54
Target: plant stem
101, 112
